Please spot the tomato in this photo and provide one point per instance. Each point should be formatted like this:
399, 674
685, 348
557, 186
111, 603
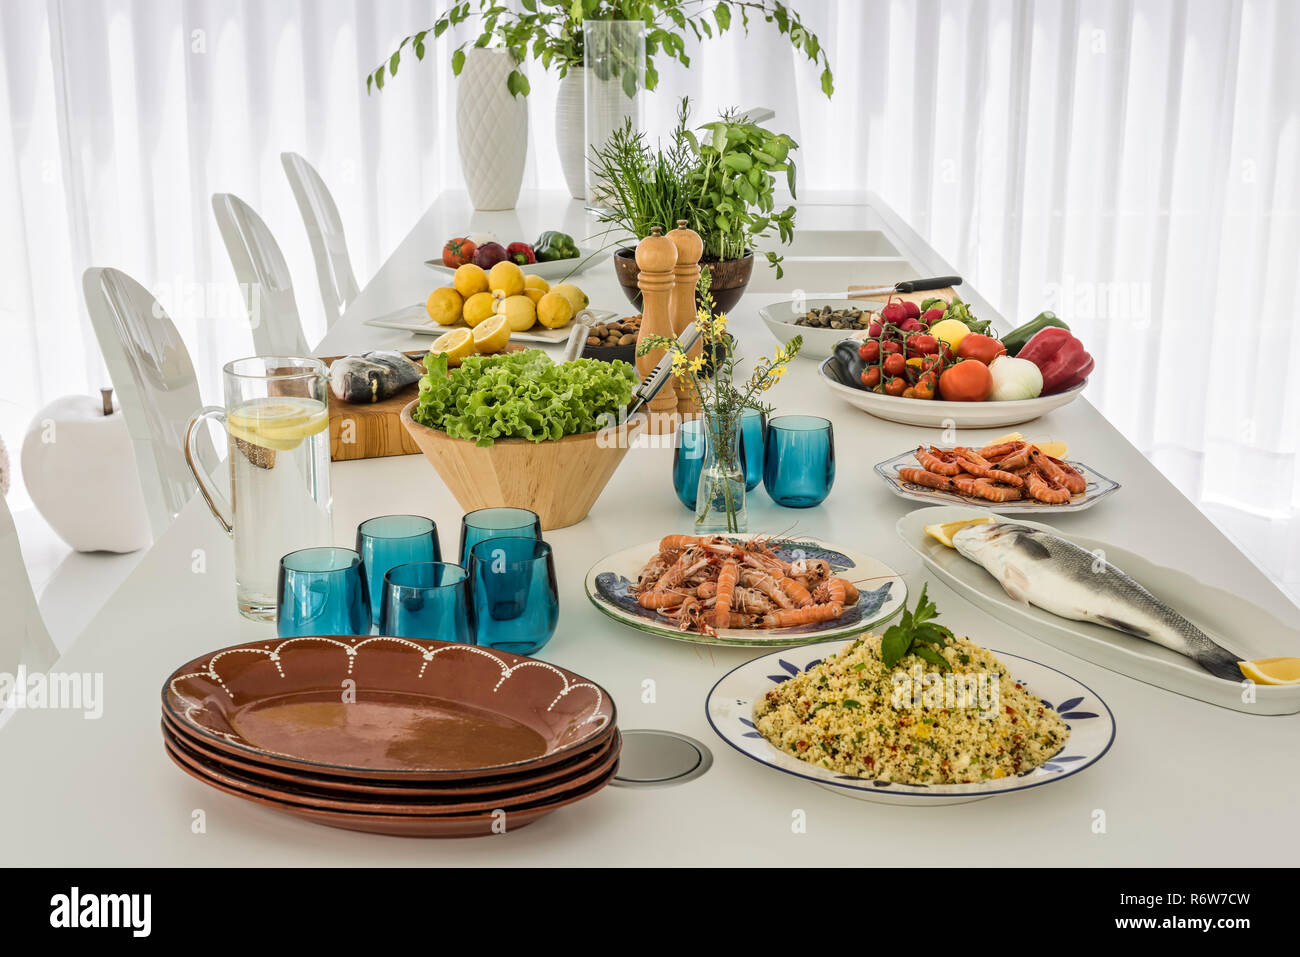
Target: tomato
895, 387
869, 351
922, 345
458, 252
870, 377
895, 364
983, 348
890, 346
967, 381
926, 385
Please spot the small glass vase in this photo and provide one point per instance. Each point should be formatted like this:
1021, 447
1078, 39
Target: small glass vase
720, 502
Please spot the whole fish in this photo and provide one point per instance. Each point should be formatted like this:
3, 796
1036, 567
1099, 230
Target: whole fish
1064, 579
371, 376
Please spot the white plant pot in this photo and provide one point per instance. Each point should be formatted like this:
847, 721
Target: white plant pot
492, 127
571, 130
79, 467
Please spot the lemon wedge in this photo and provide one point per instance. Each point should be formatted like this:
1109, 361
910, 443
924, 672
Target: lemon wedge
947, 530
457, 344
1056, 450
1272, 671
492, 335
277, 422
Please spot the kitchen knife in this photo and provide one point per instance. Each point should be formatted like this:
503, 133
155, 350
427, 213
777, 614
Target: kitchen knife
906, 286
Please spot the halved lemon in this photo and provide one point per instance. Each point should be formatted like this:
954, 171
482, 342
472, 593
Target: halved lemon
1272, 671
456, 344
492, 335
277, 422
947, 530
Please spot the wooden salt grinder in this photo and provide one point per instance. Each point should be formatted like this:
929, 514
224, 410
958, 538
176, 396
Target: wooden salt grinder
686, 275
656, 255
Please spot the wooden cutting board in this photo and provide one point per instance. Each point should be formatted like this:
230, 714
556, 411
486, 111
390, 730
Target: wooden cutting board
373, 430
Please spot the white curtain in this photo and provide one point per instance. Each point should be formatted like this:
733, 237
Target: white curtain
1131, 164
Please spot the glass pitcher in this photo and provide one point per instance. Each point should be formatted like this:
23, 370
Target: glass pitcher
277, 425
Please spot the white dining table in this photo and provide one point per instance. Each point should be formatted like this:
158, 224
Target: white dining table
1184, 783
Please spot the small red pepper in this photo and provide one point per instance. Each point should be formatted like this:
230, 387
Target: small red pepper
1060, 357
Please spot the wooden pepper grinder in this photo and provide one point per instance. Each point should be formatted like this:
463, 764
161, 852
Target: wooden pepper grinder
656, 255
686, 275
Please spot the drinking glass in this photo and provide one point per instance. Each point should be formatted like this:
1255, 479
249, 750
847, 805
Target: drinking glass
428, 600
688, 459
394, 540
502, 522
276, 418
515, 601
322, 591
799, 469
753, 428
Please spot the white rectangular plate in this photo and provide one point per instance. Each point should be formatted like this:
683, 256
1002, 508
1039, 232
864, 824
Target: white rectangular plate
555, 271
1229, 619
408, 320
1098, 488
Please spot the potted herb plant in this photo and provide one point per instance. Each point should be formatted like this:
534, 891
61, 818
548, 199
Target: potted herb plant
550, 31
720, 178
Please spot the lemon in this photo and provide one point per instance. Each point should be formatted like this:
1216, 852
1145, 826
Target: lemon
951, 331
947, 530
1055, 450
1272, 671
277, 422
506, 277
478, 307
554, 310
444, 305
535, 287
457, 344
577, 298
492, 335
1009, 437
470, 280
518, 311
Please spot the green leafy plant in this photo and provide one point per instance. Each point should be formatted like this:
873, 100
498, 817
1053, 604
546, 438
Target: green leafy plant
720, 178
916, 634
550, 31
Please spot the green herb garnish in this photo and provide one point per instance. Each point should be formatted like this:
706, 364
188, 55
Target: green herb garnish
916, 634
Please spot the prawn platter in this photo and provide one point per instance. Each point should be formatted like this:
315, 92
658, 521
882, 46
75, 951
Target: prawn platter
1005, 477
745, 590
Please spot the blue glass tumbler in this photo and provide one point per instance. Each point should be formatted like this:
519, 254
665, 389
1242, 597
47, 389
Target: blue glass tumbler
322, 591
500, 522
394, 540
688, 459
799, 469
428, 600
515, 600
753, 438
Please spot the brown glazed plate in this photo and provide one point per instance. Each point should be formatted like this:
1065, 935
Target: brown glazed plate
310, 796
382, 708
391, 789
413, 825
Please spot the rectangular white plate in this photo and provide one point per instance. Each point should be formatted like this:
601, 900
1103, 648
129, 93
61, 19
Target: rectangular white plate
1098, 488
555, 271
408, 320
1237, 624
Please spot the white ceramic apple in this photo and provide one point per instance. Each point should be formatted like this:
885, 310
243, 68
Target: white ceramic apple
79, 468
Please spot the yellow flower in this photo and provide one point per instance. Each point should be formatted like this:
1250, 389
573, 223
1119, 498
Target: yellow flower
697, 363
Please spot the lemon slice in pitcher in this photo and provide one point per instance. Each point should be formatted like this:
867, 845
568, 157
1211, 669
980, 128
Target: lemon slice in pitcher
277, 422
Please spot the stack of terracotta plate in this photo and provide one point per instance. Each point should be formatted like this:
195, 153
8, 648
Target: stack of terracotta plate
391, 736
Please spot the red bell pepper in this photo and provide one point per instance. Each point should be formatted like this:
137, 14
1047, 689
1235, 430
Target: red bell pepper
1060, 357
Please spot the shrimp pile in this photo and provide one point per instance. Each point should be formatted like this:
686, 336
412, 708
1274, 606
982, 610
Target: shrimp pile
1002, 472
706, 583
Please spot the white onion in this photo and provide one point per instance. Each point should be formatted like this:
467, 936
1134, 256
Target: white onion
1014, 379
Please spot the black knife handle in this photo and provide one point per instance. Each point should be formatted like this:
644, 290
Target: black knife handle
921, 285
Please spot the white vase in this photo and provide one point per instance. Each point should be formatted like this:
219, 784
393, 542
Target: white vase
492, 127
570, 130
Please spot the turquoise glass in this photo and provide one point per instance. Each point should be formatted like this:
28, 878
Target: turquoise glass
501, 522
426, 600
322, 591
688, 459
513, 594
394, 540
753, 440
799, 468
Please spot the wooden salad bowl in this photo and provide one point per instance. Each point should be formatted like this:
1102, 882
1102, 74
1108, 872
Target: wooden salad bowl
560, 480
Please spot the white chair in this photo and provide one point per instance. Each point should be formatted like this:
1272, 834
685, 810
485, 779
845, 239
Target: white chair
24, 639
329, 247
155, 384
263, 277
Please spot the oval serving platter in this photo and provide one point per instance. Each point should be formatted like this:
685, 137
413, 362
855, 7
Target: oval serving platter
882, 594
730, 710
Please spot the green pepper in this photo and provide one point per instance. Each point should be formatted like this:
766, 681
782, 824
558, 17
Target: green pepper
1016, 339
553, 244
